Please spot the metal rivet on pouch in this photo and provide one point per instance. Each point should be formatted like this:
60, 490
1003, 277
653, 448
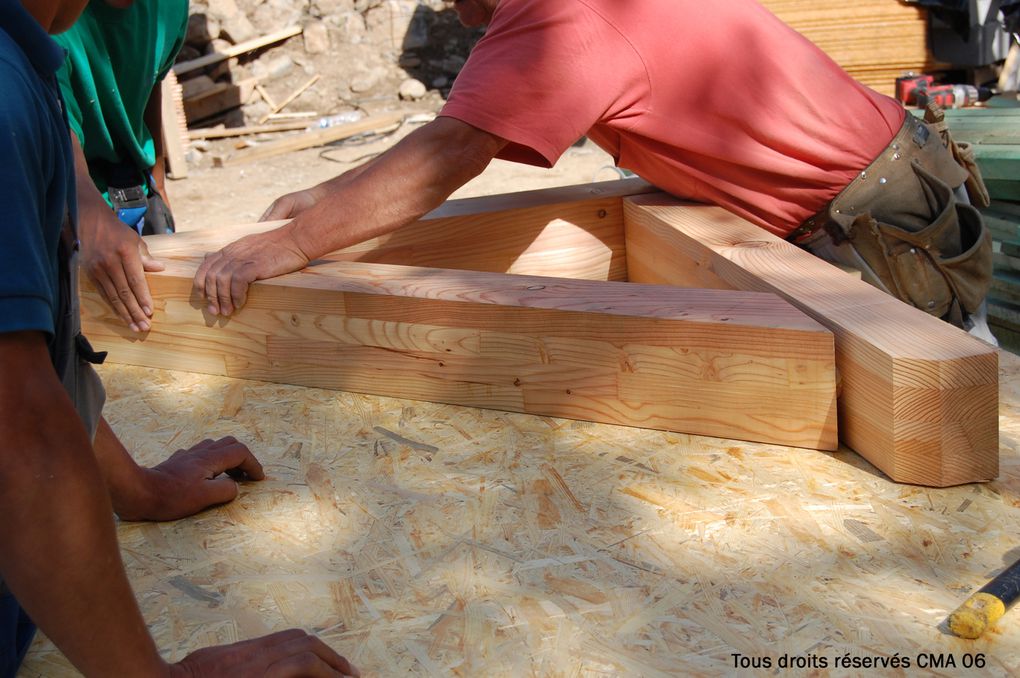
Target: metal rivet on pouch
895, 156
883, 180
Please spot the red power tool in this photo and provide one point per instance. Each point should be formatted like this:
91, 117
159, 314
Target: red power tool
914, 89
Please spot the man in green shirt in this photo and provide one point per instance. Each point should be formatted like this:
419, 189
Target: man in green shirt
117, 55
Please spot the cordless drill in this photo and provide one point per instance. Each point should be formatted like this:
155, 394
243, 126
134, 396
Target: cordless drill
917, 89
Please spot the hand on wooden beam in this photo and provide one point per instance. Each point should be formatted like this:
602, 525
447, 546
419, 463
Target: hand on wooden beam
113, 255
115, 258
224, 276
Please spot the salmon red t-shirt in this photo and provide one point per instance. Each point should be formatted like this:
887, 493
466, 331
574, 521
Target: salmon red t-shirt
713, 100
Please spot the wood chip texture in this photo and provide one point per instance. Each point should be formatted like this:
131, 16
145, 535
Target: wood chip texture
424, 539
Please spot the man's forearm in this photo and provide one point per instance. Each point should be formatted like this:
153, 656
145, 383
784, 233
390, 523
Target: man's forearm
411, 179
60, 554
124, 478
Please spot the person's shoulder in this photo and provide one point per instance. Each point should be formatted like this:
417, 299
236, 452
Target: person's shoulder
21, 89
17, 75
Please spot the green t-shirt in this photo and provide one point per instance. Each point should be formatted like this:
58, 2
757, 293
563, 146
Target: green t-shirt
115, 57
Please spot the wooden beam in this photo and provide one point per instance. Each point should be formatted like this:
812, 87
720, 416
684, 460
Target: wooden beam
919, 397
574, 231
722, 363
236, 50
174, 127
225, 132
223, 96
317, 137
277, 107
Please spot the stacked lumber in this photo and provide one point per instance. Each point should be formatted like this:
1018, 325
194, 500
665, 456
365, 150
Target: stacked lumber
1003, 220
876, 41
995, 135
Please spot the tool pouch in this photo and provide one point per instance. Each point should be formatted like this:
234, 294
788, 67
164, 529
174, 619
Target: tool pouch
963, 154
944, 268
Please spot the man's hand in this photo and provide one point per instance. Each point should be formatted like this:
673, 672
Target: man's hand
189, 481
115, 258
290, 205
287, 654
224, 276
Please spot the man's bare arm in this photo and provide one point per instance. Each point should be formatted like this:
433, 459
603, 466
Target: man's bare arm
397, 187
60, 555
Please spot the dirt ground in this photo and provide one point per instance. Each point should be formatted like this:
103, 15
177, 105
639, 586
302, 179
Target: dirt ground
219, 196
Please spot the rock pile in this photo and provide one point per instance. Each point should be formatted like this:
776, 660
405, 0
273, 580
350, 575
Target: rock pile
369, 55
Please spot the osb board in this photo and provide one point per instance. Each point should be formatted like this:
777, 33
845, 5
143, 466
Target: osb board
422, 539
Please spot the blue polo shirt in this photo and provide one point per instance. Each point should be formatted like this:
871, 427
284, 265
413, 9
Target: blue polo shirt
36, 173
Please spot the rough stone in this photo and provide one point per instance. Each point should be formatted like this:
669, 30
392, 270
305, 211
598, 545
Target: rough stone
269, 17
453, 63
366, 80
351, 27
237, 28
412, 90
279, 66
316, 37
217, 45
222, 9
326, 8
187, 53
201, 29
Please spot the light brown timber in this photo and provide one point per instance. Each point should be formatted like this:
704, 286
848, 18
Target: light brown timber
918, 396
174, 127
722, 363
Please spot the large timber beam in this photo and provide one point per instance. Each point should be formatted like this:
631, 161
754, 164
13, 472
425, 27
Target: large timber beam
919, 398
731, 364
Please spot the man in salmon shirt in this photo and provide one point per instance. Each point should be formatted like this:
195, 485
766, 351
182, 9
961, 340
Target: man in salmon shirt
719, 102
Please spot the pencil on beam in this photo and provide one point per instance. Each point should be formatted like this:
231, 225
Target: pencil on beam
985, 607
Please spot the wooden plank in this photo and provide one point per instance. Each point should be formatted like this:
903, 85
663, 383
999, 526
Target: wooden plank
875, 41
221, 97
318, 137
225, 132
722, 363
236, 50
918, 396
174, 127
277, 107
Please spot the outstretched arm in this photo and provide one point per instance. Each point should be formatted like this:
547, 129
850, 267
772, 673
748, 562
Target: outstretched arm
393, 189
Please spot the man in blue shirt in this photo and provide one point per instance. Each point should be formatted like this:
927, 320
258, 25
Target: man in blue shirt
59, 561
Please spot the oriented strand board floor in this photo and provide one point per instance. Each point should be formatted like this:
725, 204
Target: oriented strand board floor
421, 539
